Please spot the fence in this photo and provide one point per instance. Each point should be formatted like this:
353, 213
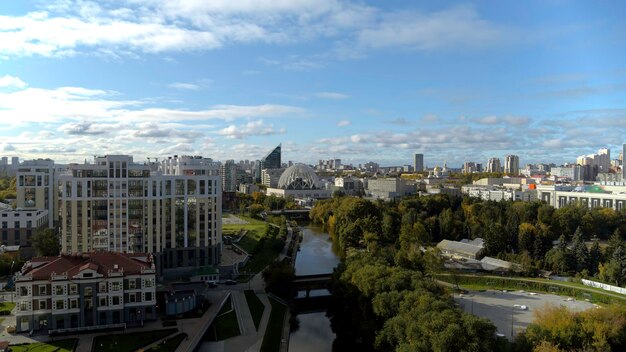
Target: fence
605, 287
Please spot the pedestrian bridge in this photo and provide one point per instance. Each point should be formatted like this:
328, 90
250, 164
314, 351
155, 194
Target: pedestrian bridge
311, 282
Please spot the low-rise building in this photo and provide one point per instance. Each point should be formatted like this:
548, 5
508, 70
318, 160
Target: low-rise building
592, 196
92, 291
499, 193
20, 225
462, 249
390, 188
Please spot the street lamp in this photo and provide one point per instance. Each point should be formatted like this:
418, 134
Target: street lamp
12, 278
512, 316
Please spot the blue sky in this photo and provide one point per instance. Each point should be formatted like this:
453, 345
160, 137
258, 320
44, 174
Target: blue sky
356, 80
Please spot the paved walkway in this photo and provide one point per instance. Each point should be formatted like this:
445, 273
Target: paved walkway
195, 327
250, 340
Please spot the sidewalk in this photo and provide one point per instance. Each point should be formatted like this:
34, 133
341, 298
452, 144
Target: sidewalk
250, 340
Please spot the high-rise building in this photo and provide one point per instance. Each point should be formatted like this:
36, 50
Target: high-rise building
511, 164
624, 163
603, 159
118, 205
493, 165
228, 172
36, 187
418, 162
469, 167
272, 159
4, 166
269, 161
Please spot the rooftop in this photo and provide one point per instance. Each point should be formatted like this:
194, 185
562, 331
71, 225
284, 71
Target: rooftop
105, 264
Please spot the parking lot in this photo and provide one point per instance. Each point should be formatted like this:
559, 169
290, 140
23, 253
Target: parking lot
505, 309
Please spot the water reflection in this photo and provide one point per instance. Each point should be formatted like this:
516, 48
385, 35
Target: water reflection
314, 293
316, 254
314, 334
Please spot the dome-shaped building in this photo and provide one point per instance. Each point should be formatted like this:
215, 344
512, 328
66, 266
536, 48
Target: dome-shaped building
298, 176
300, 182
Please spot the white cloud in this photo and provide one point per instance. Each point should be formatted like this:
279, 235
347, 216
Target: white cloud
508, 119
82, 105
252, 128
130, 27
6, 147
184, 86
332, 95
7, 81
343, 123
456, 26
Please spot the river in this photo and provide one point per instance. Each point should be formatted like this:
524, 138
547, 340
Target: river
316, 256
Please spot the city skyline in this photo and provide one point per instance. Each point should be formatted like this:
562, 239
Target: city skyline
351, 80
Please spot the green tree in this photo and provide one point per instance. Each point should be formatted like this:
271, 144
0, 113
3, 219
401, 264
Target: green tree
580, 253
595, 258
46, 243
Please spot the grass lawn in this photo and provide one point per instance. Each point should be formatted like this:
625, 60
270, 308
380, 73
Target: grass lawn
263, 252
170, 345
225, 325
67, 345
256, 307
274, 331
128, 342
6, 306
563, 288
252, 225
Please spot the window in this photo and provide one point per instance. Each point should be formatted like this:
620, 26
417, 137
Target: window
131, 284
116, 300
148, 283
103, 301
148, 296
88, 291
132, 298
115, 286
73, 303
23, 291
73, 289
42, 304
103, 287
59, 304
42, 290
58, 290
23, 306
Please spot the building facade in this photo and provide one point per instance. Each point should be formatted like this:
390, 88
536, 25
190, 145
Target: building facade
418, 162
389, 188
493, 165
86, 292
117, 205
511, 164
19, 226
36, 182
270, 161
558, 197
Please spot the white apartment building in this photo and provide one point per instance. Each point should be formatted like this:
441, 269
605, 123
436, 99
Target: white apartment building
511, 164
118, 205
493, 165
560, 196
499, 193
36, 187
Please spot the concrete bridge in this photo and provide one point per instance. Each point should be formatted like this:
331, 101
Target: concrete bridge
311, 282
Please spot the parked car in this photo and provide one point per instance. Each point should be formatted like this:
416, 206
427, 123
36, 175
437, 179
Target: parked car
230, 282
212, 284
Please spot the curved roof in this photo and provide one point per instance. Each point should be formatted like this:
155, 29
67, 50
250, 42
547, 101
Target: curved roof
298, 176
